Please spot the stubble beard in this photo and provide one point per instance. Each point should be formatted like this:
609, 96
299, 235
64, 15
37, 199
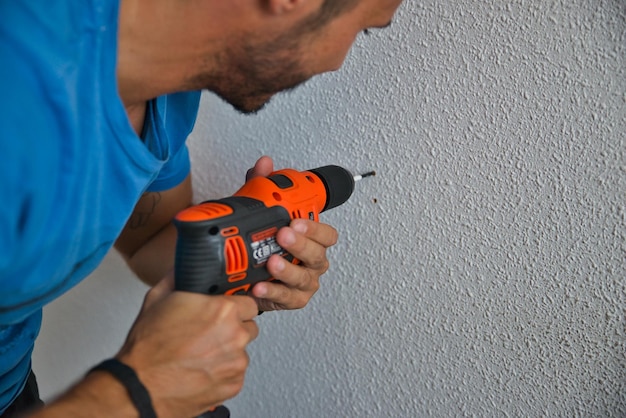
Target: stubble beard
249, 77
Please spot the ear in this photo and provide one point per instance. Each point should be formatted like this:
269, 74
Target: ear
279, 7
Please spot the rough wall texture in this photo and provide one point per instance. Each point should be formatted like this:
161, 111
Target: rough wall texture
482, 272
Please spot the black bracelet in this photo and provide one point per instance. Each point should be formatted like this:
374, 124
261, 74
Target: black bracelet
136, 390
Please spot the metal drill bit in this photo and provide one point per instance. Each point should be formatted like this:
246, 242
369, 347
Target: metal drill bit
362, 176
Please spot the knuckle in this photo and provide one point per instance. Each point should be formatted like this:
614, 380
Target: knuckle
315, 283
232, 389
315, 286
309, 286
239, 364
226, 306
244, 362
237, 387
241, 338
320, 263
325, 265
223, 310
299, 303
254, 330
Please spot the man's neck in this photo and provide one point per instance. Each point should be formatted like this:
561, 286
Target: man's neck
137, 59
162, 42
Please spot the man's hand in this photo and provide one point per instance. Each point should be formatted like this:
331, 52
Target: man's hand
189, 349
304, 239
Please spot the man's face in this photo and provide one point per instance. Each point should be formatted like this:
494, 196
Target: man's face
258, 69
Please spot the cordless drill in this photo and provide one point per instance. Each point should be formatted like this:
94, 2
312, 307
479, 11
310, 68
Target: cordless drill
223, 245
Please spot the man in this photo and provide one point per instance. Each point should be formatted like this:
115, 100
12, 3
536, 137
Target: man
98, 99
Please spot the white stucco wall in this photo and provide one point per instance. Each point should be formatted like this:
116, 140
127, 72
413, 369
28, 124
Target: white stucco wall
482, 271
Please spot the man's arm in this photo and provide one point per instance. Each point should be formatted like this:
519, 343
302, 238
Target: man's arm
97, 395
188, 350
148, 240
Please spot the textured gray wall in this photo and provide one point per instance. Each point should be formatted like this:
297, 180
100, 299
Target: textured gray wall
482, 272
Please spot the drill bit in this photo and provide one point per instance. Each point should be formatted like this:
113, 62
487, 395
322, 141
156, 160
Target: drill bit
362, 176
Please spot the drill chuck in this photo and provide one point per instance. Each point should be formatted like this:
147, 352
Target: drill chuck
338, 182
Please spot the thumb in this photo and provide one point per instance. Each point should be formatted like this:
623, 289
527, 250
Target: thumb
262, 168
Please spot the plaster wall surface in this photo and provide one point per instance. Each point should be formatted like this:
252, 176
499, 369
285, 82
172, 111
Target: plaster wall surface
481, 272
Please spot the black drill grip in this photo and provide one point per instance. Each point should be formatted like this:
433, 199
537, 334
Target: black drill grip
228, 253
199, 264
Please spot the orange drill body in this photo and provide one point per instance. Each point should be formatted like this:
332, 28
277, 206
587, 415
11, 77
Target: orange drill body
223, 245
304, 198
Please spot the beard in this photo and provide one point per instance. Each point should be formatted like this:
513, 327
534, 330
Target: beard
249, 77
252, 93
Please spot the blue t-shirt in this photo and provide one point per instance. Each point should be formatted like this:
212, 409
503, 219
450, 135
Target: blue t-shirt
72, 168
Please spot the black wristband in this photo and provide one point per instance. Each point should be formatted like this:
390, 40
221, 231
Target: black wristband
136, 390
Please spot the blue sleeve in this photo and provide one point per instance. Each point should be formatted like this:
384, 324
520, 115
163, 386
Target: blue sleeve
169, 121
173, 172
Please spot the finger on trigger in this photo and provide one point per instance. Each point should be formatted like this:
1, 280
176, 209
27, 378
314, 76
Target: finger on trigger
251, 328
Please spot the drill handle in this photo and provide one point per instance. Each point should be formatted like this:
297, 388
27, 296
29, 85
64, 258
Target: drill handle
199, 260
222, 246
